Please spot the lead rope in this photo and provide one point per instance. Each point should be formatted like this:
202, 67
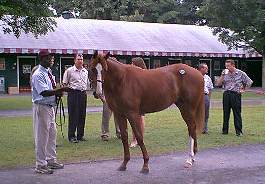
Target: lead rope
59, 104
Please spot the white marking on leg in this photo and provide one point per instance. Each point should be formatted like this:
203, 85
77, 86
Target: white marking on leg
190, 160
99, 78
191, 142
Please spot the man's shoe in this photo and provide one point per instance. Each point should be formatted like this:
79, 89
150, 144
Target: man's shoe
43, 170
73, 140
239, 134
82, 139
105, 138
205, 132
55, 165
224, 133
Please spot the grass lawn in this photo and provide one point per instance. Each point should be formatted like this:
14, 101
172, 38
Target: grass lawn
165, 133
24, 102
218, 95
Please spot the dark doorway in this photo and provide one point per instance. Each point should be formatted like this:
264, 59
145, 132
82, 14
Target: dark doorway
66, 62
254, 70
25, 67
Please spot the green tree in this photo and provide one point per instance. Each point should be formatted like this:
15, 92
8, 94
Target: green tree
189, 10
33, 16
238, 23
63, 5
97, 9
163, 11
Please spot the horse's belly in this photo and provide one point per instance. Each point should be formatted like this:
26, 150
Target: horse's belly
155, 105
158, 99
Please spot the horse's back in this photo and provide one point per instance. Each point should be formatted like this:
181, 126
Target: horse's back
175, 76
160, 88
190, 81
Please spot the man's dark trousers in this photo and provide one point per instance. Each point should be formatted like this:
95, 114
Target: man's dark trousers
76, 101
232, 100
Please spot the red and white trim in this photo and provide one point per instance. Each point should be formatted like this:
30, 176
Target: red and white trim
127, 53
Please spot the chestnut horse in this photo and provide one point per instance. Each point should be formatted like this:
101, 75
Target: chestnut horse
131, 91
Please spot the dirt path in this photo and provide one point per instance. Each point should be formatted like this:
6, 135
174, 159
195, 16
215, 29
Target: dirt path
243, 164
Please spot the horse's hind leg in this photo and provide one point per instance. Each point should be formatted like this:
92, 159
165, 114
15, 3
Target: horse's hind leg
189, 118
192, 146
136, 127
122, 122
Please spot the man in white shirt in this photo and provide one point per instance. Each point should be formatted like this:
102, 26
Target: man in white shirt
76, 78
208, 86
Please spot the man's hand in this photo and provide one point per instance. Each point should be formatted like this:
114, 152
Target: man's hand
64, 89
59, 91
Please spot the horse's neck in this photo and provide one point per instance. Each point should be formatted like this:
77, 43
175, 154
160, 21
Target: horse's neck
115, 69
114, 75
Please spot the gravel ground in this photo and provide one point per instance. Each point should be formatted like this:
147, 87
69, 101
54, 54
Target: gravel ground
243, 164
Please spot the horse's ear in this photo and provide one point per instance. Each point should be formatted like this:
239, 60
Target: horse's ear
107, 55
95, 54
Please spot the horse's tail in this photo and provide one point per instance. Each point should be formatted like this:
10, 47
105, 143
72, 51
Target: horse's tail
200, 114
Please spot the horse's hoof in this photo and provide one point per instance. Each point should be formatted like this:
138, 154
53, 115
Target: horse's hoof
145, 170
189, 163
122, 168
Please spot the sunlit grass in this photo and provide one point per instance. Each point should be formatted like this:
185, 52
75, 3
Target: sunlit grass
165, 132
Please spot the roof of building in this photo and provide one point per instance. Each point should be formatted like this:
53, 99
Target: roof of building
122, 38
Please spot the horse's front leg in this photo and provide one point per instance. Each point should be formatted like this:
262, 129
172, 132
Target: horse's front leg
135, 120
122, 122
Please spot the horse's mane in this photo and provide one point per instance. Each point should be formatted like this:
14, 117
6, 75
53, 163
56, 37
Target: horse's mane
134, 66
114, 59
118, 62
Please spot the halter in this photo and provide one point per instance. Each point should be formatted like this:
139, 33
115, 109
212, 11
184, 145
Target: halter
97, 80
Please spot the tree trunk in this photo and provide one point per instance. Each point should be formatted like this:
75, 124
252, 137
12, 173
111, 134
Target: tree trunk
263, 70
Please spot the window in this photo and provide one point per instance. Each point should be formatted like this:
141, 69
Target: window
26, 69
147, 62
122, 61
173, 61
156, 63
217, 65
187, 62
2, 64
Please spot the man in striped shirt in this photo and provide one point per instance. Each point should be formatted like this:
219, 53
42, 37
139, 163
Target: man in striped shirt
234, 82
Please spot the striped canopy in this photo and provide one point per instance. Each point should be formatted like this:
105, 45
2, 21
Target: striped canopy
123, 38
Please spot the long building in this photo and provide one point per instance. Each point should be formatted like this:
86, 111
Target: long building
158, 44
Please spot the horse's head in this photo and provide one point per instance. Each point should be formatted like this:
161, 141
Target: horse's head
97, 66
92, 76
99, 58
